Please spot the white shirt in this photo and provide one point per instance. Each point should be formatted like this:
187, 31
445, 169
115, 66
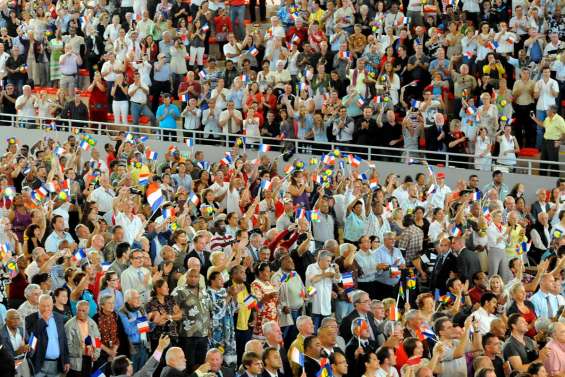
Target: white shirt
3, 58
484, 318
103, 198
377, 226
138, 96
322, 299
438, 197
219, 189
236, 127
506, 42
108, 67
496, 236
233, 202
229, 49
545, 98
31, 270
391, 372
132, 227
133, 278
192, 118
28, 110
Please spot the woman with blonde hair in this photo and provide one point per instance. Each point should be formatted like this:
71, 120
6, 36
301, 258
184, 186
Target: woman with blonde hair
483, 144
487, 114
496, 286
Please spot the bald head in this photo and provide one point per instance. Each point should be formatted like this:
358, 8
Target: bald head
175, 359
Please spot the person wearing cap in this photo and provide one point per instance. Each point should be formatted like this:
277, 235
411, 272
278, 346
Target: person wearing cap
441, 192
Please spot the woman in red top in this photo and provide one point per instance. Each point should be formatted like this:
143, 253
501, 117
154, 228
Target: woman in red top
523, 306
316, 36
98, 102
222, 27
269, 101
149, 46
254, 96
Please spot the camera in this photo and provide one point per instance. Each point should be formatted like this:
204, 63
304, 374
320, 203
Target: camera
135, 191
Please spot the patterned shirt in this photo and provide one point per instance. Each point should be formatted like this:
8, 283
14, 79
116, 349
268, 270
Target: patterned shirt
412, 240
196, 307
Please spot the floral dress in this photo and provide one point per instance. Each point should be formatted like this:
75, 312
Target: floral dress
166, 308
57, 49
266, 310
223, 333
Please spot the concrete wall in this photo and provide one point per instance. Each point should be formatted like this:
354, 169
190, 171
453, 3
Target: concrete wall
215, 153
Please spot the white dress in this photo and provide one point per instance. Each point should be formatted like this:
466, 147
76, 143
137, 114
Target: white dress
251, 128
507, 145
482, 146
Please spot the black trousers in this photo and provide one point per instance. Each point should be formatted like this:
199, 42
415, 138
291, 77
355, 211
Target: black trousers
262, 10
241, 338
524, 128
158, 88
550, 152
194, 349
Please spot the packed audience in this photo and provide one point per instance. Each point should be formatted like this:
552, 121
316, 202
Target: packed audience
119, 261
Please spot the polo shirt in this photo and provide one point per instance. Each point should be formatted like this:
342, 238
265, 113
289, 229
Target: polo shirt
554, 128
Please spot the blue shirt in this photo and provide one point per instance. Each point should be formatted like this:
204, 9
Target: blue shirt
539, 300
52, 242
163, 74
92, 307
394, 259
53, 352
354, 227
170, 121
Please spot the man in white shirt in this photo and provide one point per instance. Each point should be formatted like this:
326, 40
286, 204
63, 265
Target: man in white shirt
485, 314
232, 51
387, 361
220, 188
320, 277
25, 107
231, 119
103, 196
136, 276
441, 191
191, 116
546, 91
505, 39
139, 94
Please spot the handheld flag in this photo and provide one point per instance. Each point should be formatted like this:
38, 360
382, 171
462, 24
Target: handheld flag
154, 196
32, 342
142, 325
347, 280
250, 302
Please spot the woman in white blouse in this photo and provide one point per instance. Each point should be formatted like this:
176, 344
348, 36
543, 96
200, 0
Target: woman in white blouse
498, 235
251, 125
509, 148
482, 150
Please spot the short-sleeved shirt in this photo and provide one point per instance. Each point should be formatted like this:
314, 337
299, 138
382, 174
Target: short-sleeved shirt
528, 352
554, 128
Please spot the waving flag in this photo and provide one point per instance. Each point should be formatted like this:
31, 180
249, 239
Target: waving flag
428, 333
151, 155
315, 216
266, 184
415, 104
142, 325
296, 356
264, 148
328, 159
32, 342
79, 255
347, 280
523, 247
456, 232
344, 54
59, 151
193, 198
143, 179
250, 302
476, 196
253, 51
154, 196
205, 28
374, 184
189, 142
487, 215
169, 213
355, 161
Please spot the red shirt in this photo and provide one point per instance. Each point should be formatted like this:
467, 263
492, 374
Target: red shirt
236, 3
222, 22
302, 33
475, 294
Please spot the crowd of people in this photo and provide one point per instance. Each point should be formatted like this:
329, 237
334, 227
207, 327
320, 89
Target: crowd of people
117, 260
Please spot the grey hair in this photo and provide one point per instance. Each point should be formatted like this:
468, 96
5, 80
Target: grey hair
301, 320
357, 296
45, 297
326, 320
268, 326
389, 235
330, 243
104, 299
171, 354
128, 295
212, 351
324, 254
35, 252
30, 288
83, 302
410, 314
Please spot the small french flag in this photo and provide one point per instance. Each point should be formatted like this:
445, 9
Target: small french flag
300, 213
469, 54
202, 75
189, 143
347, 280
151, 155
84, 145
142, 325
344, 55
253, 51
374, 184
296, 356
143, 179
205, 28
243, 78
406, 21
194, 199
469, 110
354, 161
266, 184
361, 101
295, 39
32, 342
415, 104
362, 177
185, 97
487, 215
169, 213
476, 196
264, 148
79, 255
378, 99
250, 302
456, 232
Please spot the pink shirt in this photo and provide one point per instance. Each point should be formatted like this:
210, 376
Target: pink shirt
555, 362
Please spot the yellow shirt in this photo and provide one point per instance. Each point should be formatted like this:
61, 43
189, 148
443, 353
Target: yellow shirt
299, 344
515, 241
554, 128
244, 312
317, 16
